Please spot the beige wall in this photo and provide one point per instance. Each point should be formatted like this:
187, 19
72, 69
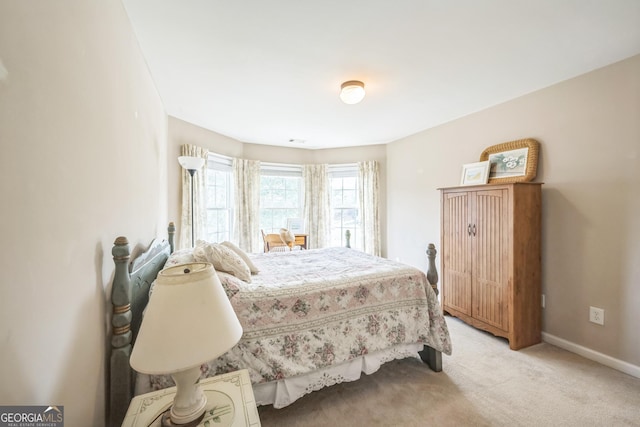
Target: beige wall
181, 132
84, 155
589, 130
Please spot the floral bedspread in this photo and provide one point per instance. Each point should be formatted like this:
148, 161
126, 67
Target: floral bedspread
310, 309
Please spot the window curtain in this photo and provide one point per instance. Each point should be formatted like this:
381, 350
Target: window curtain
317, 213
369, 177
199, 194
246, 224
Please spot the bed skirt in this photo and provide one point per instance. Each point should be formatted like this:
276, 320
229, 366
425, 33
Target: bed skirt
284, 392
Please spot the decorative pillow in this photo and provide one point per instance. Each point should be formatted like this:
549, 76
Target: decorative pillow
183, 256
223, 259
243, 255
287, 237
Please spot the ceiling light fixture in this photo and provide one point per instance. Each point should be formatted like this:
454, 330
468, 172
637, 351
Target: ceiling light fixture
352, 92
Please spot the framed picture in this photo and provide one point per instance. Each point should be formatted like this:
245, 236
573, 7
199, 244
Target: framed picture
515, 161
475, 173
295, 225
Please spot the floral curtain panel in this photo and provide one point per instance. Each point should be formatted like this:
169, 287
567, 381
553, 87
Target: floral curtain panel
369, 206
246, 229
317, 213
199, 201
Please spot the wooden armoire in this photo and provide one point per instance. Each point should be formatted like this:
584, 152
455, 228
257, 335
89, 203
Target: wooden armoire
490, 254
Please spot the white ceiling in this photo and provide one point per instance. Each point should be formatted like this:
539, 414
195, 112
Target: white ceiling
267, 72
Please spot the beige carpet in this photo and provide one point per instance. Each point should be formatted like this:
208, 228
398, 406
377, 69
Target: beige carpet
482, 384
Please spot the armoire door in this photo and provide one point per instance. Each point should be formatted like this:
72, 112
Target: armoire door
490, 255
456, 251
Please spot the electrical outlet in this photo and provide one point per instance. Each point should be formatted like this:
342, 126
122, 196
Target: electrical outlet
596, 315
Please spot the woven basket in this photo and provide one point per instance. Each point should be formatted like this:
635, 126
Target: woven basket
532, 159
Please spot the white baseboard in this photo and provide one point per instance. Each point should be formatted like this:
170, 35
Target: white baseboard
587, 353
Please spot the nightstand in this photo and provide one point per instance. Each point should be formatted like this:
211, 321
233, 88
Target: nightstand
230, 402
301, 240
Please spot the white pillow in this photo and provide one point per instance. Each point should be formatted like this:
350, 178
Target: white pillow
243, 255
182, 256
223, 259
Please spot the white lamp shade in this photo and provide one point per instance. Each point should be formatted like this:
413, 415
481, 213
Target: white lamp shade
189, 321
352, 92
191, 163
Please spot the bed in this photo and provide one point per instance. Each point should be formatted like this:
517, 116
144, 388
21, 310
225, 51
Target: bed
311, 319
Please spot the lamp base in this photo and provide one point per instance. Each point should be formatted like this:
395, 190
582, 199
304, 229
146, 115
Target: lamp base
166, 421
189, 402
220, 411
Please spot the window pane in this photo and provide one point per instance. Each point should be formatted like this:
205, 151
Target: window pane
280, 198
350, 182
345, 209
336, 197
349, 197
218, 203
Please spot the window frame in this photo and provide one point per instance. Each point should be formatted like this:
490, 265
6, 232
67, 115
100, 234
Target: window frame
220, 163
281, 170
346, 170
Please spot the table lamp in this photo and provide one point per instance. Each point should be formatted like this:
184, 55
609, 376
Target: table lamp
188, 321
